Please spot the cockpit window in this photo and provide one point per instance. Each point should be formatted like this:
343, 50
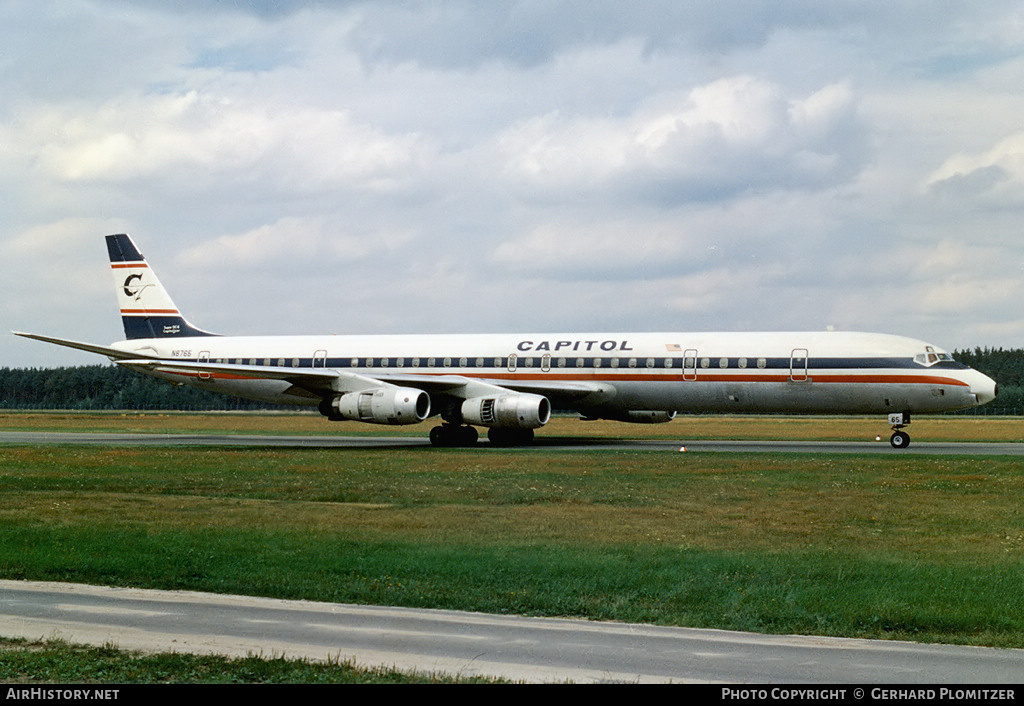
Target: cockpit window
931, 357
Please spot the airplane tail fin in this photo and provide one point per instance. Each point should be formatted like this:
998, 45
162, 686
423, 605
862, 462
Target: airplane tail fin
146, 308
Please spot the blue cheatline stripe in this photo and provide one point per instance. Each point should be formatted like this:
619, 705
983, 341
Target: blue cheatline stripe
411, 364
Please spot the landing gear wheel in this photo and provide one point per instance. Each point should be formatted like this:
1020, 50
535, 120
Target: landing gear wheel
451, 435
510, 437
899, 439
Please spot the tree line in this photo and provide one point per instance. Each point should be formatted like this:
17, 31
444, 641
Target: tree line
101, 387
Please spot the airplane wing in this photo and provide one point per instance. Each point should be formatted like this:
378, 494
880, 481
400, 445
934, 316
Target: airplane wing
319, 381
325, 381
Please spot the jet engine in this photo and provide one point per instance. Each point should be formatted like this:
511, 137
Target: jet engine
381, 405
518, 410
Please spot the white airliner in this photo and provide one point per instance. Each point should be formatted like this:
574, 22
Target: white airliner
510, 383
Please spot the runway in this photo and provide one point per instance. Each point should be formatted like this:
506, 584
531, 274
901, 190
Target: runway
460, 643
542, 443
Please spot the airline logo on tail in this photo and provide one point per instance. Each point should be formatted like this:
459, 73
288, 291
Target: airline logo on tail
146, 308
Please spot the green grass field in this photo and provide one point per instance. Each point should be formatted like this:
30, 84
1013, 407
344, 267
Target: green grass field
922, 548
57, 662
881, 546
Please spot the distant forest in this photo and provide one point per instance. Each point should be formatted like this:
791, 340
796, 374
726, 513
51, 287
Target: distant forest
101, 387
98, 387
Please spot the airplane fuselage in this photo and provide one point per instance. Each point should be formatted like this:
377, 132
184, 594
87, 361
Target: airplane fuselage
809, 372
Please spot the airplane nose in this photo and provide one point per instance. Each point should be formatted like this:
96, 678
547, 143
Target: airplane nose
984, 388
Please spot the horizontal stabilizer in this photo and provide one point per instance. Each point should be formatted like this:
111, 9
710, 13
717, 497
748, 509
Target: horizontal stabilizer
113, 353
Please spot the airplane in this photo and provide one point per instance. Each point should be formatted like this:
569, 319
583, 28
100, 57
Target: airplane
510, 383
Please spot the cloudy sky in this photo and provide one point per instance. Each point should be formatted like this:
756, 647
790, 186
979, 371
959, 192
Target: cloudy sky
543, 165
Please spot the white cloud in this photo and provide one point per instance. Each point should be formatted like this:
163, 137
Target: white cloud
149, 136
731, 136
303, 243
999, 170
520, 165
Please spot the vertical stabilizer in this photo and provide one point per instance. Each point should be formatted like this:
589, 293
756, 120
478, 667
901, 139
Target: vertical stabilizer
146, 308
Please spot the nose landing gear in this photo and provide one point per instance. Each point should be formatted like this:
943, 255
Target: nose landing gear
899, 439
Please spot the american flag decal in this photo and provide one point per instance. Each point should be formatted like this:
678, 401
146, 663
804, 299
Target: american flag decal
673, 347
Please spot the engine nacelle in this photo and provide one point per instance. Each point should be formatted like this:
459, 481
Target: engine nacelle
381, 405
518, 410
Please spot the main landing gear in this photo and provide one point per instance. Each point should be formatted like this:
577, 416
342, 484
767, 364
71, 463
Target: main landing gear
452, 435
899, 439
456, 435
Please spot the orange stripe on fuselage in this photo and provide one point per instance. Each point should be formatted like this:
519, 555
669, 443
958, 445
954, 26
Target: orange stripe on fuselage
674, 377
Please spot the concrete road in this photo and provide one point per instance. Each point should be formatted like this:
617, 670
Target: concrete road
529, 649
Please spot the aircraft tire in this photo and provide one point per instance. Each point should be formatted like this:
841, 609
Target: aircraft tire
510, 437
899, 440
450, 436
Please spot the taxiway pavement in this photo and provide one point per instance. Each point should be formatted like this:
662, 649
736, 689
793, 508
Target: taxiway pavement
461, 643
541, 443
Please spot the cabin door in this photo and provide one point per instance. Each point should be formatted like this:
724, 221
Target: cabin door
690, 364
798, 365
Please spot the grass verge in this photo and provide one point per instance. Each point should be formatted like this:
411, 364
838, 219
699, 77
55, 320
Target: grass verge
922, 548
58, 662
